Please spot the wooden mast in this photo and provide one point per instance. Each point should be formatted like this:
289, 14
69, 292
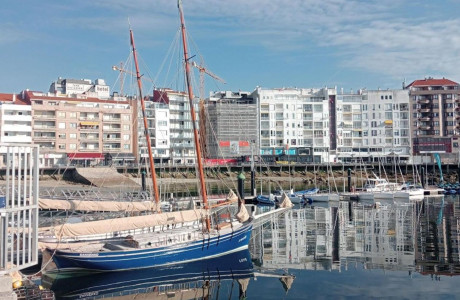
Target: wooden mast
146, 131
193, 114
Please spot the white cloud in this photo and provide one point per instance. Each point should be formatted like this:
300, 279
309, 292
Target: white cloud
395, 38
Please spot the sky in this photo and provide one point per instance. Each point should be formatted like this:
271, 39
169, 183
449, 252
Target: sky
350, 44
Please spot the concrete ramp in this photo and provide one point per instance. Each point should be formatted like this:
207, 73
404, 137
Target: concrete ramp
103, 177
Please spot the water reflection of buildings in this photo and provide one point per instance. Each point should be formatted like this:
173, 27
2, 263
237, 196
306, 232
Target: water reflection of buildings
410, 236
438, 238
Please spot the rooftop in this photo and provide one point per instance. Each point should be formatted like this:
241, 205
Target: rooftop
432, 82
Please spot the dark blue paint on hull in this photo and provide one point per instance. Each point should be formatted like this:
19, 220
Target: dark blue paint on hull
152, 257
77, 286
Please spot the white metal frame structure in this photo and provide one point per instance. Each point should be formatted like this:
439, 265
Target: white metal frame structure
19, 210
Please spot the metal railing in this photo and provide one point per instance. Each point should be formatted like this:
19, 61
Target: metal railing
19, 209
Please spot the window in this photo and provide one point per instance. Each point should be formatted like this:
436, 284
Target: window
126, 117
62, 135
126, 137
61, 114
72, 135
73, 115
62, 125
73, 125
61, 146
126, 146
72, 146
125, 127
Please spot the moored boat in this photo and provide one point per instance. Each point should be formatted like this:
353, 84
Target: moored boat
151, 240
410, 191
152, 282
152, 250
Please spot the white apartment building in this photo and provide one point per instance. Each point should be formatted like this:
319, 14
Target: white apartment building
15, 120
182, 141
157, 115
294, 120
373, 126
15, 123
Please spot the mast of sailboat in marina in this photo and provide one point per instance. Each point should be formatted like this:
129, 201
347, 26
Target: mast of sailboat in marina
193, 114
146, 131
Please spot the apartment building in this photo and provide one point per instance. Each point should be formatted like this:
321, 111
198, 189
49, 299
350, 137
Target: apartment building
182, 147
435, 112
15, 120
373, 126
231, 125
157, 116
80, 130
15, 123
295, 121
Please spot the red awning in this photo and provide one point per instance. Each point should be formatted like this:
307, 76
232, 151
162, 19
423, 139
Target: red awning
85, 155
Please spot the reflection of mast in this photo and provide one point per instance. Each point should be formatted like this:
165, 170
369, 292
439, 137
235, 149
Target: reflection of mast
193, 115
335, 234
146, 130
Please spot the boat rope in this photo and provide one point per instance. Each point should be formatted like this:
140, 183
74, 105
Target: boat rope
43, 267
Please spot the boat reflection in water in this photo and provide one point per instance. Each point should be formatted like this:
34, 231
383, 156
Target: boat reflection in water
194, 280
413, 236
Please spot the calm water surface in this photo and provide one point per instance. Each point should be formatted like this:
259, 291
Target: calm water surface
400, 250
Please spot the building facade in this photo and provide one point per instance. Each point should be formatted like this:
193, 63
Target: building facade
15, 120
435, 112
182, 147
373, 126
295, 121
158, 123
80, 130
231, 125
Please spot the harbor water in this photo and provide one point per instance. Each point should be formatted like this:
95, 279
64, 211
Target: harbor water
338, 250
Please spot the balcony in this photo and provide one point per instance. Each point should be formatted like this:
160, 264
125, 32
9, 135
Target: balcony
424, 110
89, 149
182, 145
44, 117
89, 137
424, 127
424, 101
108, 147
112, 129
43, 138
424, 119
388, 123
47, 127
111, 139
89, 128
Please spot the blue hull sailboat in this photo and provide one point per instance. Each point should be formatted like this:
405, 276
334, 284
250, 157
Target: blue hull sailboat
151, 240
192, 277
125, 259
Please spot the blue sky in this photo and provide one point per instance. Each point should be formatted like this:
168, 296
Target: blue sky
350, 44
